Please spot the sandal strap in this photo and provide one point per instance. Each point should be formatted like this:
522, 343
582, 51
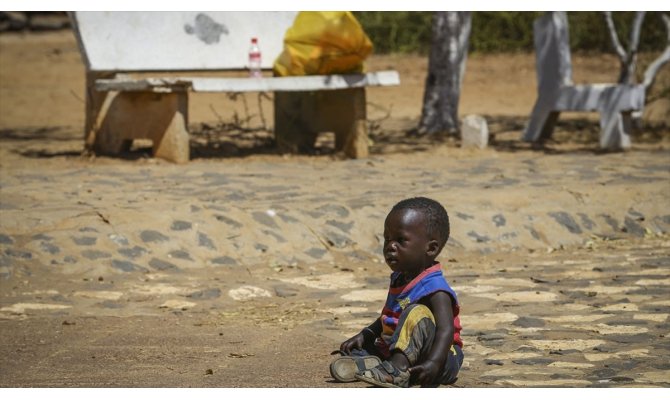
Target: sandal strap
390, 368
379, 373
360, 363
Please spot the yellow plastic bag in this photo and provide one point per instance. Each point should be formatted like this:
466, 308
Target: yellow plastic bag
321, 43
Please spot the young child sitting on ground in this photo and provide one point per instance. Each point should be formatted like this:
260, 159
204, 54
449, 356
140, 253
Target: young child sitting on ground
417, 338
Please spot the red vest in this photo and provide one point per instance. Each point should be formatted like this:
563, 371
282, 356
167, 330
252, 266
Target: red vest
429, 281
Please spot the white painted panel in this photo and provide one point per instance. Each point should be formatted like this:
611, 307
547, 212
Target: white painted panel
184, 40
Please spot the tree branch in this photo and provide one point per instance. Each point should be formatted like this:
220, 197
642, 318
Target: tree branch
654, 67
614, 37
635, 32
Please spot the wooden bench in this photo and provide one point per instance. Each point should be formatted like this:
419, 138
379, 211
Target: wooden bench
556, 91
121, 108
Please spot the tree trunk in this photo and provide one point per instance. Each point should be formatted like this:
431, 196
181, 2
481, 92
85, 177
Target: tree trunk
446, 67
628, 59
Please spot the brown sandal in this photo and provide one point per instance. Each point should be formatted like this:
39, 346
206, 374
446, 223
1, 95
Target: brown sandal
385, 375
345, 368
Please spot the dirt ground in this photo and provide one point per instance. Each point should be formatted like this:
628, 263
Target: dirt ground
246, 268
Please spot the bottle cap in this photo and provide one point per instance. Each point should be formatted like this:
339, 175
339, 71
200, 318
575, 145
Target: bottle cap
254, 40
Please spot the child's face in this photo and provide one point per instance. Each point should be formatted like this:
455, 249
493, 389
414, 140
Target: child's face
407, 247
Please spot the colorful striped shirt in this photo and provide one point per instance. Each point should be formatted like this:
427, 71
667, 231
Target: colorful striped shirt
401, 295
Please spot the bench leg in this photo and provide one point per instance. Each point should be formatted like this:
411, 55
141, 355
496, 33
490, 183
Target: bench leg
347, 113
300, 116
615, 124
614, 129
95, 103
294, 121
161, 117
542, 121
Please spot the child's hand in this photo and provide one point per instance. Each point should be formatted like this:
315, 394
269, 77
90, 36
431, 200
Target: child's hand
355, 342
425, 373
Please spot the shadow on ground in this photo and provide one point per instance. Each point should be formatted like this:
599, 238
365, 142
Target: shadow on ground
387, 136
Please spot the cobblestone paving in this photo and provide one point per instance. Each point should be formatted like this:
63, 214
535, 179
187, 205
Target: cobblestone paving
563, 273
182, 217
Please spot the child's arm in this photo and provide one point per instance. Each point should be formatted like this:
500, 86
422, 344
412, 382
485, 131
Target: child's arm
440, 304
369, 333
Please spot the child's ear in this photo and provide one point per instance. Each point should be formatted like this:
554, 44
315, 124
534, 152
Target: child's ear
433, 248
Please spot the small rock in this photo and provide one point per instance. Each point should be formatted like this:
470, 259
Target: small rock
127, 266
527, 322
206, 294
4, 239
227, 220
474, 132
153, 236
499, 220
134, 252
316, 252
181, 226
205, 241
180, 254
95, 254
284, 292
491, 336
265, 219
177, 304
49, 248
225, 260
26, 255
479, 238
118, 239
240, 355
85, 240
344, 227
567, 221
248, 292
533, 361
162, 265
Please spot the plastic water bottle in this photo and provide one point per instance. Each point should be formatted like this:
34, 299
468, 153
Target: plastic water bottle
255, 59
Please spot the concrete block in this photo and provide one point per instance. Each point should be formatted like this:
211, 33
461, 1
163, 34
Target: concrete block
474, 132
301, 116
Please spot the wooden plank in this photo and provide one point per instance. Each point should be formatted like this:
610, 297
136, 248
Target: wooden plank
275, 84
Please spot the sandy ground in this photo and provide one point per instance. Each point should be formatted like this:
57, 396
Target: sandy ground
245, 268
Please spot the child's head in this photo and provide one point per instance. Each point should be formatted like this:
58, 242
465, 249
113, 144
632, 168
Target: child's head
415, 231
